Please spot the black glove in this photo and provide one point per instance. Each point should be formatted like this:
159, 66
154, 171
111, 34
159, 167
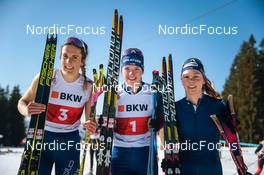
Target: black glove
228, 119
261, 156
164, 165
172, 164
232, 117
100, 121
154, 124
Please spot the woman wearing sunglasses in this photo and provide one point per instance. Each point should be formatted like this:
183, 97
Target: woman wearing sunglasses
69, 96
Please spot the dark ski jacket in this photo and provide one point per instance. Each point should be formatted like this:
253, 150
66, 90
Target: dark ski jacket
199, 136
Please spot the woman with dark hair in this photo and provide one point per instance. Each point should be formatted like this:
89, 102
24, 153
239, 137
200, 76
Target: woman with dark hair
69, 97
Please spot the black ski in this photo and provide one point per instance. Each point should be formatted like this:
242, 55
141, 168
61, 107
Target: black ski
32, 151
171, 137
110, 98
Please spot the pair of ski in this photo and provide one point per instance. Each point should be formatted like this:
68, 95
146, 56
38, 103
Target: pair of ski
109, 85
231, 138
106, 120
35, 134
97, 90
171, 137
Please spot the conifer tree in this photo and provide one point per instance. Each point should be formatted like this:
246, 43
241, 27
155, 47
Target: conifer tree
3, 109
245, 82
16, 125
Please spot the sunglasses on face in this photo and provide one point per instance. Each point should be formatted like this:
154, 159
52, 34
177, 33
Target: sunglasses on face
76, 42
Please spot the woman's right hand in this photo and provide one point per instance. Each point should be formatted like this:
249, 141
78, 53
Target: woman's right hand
91, 126
34, 108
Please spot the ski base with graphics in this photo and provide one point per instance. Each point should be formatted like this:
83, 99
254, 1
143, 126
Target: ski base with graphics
170, 163
106, 120
32, 153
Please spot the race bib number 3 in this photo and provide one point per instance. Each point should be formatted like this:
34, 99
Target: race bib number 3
63, 114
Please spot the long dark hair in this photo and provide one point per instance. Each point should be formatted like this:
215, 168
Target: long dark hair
209, 89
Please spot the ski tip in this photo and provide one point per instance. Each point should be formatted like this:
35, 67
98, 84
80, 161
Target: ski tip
164, 62
164, 65
52, 33
115, 21
116, 15
101, 71
120, 27
231, 104
170, 63
170, 57
49, 36
116, 12
120, 24
230, 97
52, 36
95, 77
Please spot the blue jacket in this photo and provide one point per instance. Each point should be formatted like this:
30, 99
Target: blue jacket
197, 129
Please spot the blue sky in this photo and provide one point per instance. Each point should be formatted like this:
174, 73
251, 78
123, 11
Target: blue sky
21, 52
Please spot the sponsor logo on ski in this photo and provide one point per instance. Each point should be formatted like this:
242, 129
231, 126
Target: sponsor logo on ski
66, 96
45, 64
51, 65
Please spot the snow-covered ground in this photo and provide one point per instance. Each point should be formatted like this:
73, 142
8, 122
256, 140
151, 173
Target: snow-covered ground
10, 160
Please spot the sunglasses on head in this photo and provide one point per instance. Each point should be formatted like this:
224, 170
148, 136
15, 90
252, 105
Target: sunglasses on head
76, 42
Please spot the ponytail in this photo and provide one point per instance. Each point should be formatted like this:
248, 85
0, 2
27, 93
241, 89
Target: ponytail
85, 82
209, 90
